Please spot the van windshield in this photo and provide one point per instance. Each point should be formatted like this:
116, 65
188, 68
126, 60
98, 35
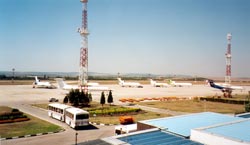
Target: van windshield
82, 116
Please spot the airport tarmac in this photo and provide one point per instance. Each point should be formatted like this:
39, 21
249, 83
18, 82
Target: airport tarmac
21, 96
10, 94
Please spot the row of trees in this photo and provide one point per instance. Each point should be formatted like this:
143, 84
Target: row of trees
77, 98
80, 98
103, 100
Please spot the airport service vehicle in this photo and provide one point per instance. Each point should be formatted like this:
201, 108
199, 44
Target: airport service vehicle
90, 86
72, 116
39, 84
129, 84
76, 117
53, 100
175, 84
227, 89
155, 84
123, 129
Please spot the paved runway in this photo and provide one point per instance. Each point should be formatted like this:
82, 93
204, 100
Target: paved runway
20, 96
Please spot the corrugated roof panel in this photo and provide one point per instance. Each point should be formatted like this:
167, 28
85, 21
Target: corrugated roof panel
156, 138
183, 124
238, 130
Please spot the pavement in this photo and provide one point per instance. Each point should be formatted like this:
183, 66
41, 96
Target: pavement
21, 96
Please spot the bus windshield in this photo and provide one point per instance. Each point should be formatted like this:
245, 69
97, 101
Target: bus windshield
82, 116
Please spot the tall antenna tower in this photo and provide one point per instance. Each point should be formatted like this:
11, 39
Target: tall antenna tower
83, 72
228, 59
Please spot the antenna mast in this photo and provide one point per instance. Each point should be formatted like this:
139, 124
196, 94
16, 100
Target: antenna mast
83, 72
228, 59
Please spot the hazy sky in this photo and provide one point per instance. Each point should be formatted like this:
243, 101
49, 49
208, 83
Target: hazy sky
126, 36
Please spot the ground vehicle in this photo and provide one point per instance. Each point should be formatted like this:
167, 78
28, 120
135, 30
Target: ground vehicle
74, 117
57, 111
123, 129
53, 100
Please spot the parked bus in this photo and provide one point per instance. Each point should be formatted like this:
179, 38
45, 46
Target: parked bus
72, 116
57, 111
76, 117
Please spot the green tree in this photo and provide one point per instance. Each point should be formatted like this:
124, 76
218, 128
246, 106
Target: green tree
66, 100
71, 95
102, 101
90, 97
85, 99
77, 97
247, 105
110, 98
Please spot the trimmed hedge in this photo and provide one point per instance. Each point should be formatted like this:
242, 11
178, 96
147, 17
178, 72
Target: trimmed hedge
224, 100
14, 116
113, 111
14, 120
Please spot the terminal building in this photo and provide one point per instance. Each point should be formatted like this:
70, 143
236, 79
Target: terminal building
193, 129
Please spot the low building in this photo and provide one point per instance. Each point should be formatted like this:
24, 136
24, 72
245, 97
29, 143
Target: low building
198, 128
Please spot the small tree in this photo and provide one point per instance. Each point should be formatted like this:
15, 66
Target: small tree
102, 101
90, 97
66, 100
110, 98
247, 105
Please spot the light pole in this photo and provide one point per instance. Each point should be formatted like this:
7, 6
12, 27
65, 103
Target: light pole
76, 138
13, 74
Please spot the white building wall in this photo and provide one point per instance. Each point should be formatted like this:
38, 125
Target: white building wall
211, 139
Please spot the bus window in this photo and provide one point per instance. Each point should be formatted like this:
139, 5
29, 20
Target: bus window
82, 116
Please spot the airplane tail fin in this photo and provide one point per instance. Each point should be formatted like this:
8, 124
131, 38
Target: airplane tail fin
152, 82
60, 83
210, 82
120, 81
170, 82
36, 79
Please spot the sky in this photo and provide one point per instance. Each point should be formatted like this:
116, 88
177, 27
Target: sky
127, 36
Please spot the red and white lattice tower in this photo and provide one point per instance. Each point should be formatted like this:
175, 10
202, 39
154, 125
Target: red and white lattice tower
228, 59
83, 72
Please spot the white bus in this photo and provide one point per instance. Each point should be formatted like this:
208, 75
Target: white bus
57, 111
76, 117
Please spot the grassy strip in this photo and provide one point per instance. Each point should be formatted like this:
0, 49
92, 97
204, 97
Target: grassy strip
192, 106
33, 126
110, 119
115, 119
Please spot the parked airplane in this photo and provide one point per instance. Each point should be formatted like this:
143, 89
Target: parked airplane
175, 84
90, 86
39, 84
225, 88
129, 84
155, 84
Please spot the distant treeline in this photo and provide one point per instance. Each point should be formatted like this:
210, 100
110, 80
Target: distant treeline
45, 77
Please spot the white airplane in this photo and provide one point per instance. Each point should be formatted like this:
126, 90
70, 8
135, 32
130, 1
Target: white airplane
90, 86
175, 84
227, 89
155, 84
39, 84
129, 84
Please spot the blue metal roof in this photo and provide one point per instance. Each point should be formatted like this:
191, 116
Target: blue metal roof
239, 130
157, 138
244, 115
183, 124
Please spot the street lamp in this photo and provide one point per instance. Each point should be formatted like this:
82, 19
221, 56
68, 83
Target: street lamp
13, 74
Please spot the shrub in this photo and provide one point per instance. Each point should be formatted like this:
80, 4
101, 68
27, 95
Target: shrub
247, 107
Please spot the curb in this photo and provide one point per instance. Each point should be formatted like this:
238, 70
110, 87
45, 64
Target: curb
101, 124
31, 135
